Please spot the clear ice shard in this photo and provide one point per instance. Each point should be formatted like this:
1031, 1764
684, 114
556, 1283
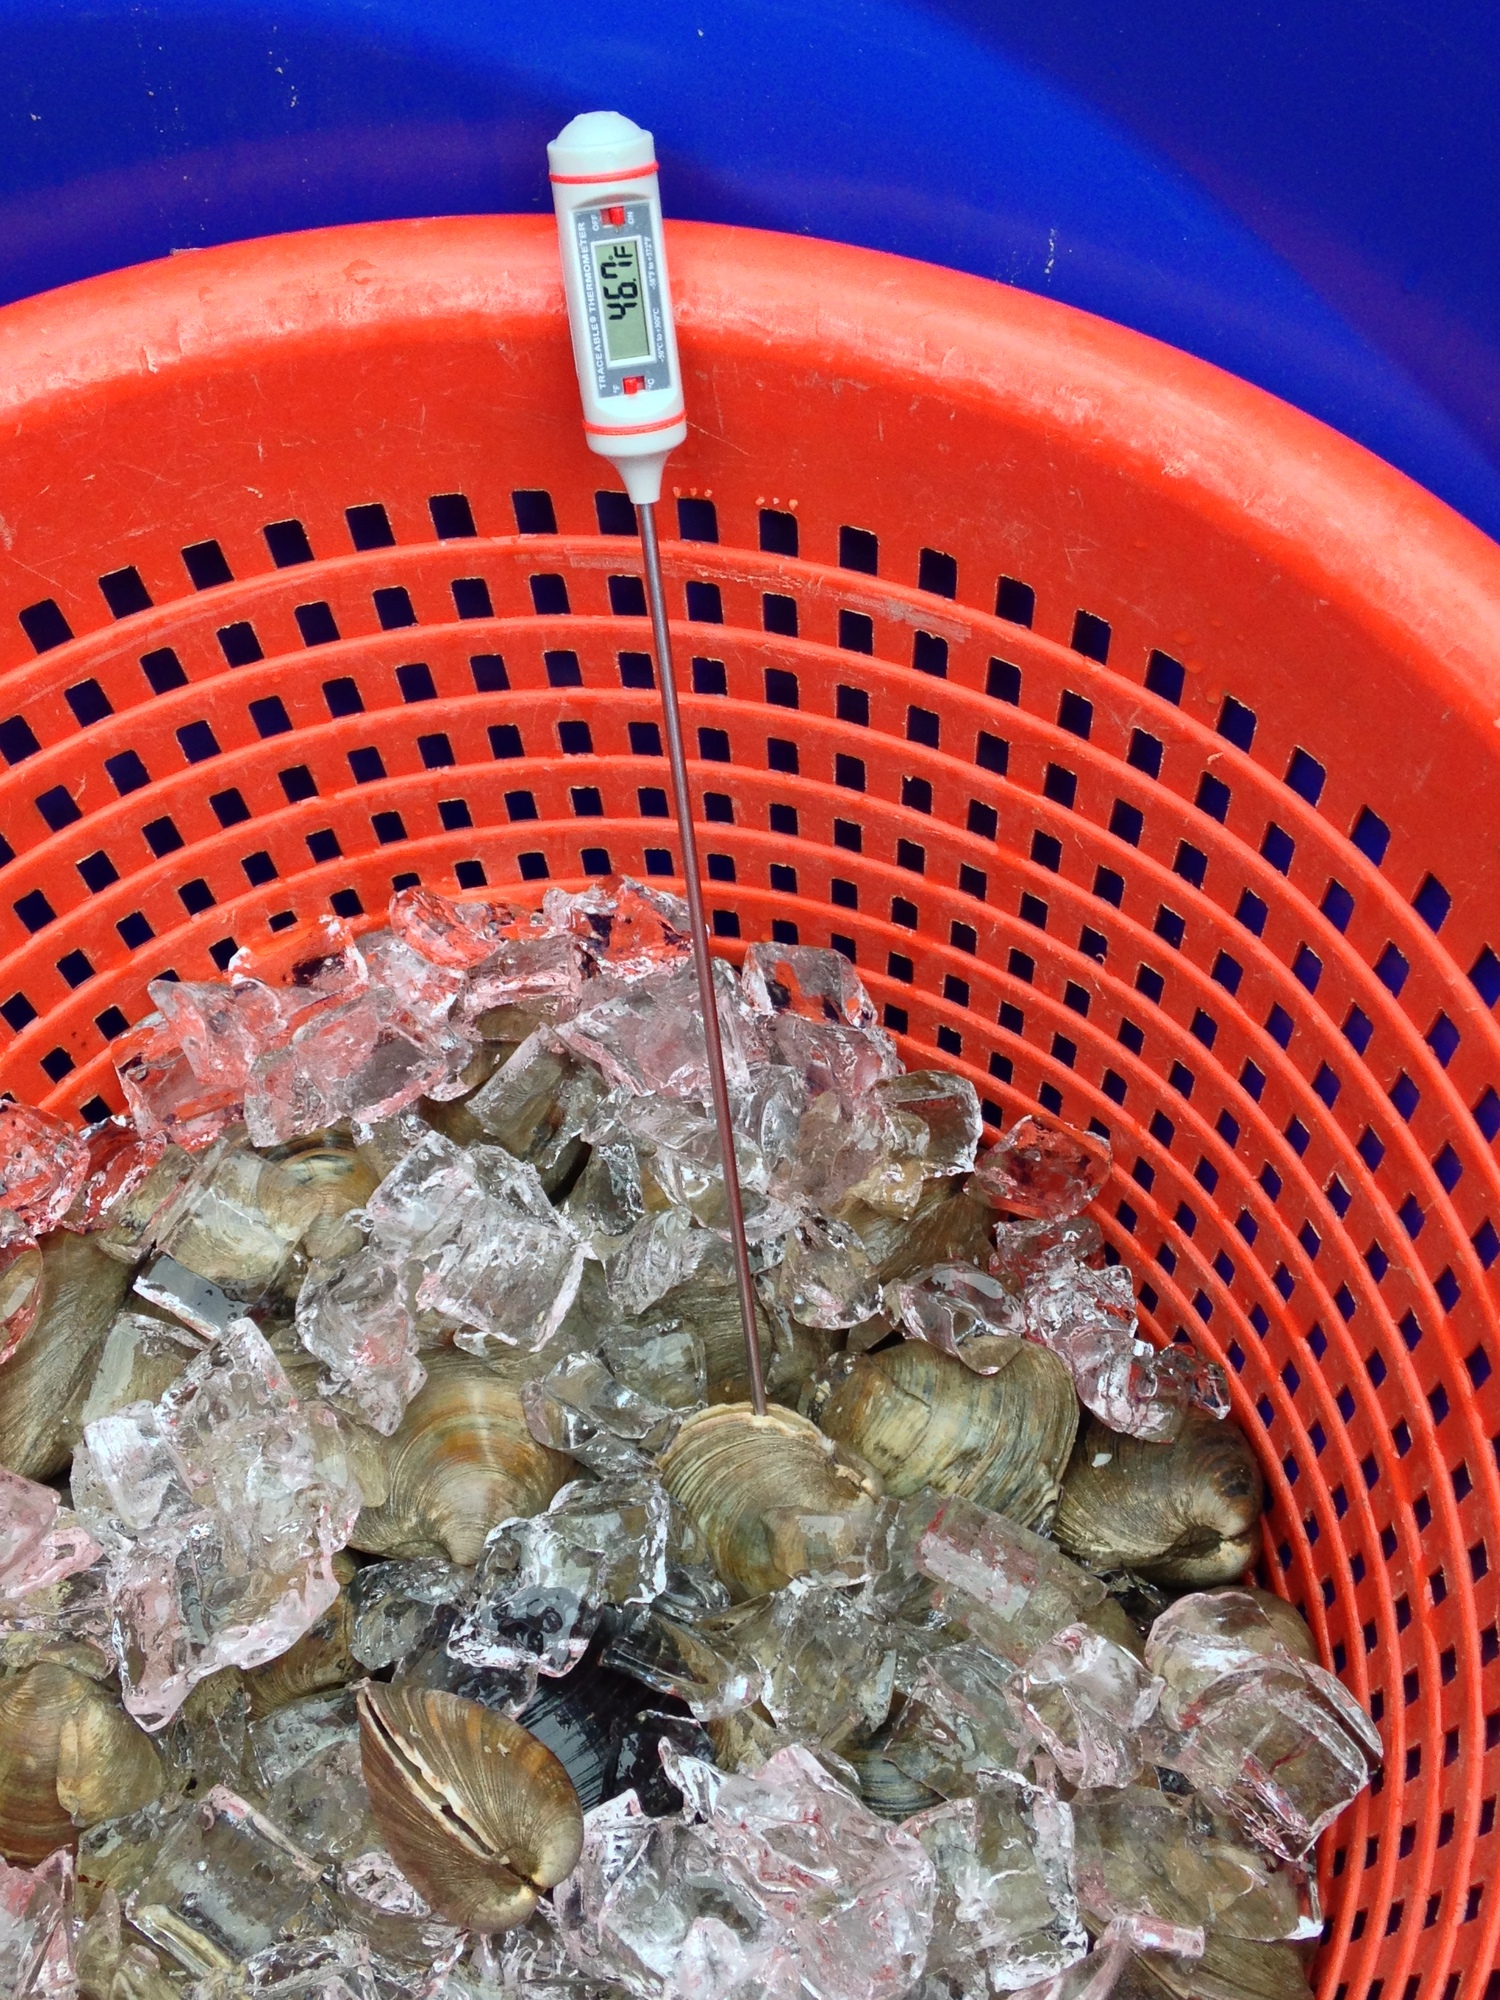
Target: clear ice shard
948, 1107
396, 1606
647, 1036
1086, 1700
542, 1585
1011, 1588
582, 1407
626, 929
457, 934
768, 1885
825, 1278
218, 1526
1043, 1170
36, 1925
487, 1250
957, 1725
221, 1882
827, 1669
805, 980
355, 1317
962, 1312
1006, 1903
41, 1542
1156, 1855
43, 1163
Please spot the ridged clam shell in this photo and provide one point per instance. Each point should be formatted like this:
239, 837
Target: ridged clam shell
44, 1385
65, 1747
744, 1479
461, 1461
922, 1419
1185, 1513
478, 1814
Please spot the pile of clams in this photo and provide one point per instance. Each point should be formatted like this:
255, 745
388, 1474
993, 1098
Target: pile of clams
921, 1369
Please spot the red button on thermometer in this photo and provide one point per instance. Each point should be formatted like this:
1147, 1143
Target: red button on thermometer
604, 189
614, 266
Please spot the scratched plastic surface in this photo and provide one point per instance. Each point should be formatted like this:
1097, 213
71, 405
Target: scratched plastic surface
1136, 736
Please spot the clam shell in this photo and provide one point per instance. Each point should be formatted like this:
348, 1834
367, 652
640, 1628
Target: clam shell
922, 1419
1185, 1513
478, 1814
750, 1484
885, 1787
44, 1385
461, 1460
62, 1734
325, 1173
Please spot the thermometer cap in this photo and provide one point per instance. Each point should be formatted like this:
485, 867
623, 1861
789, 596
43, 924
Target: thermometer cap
600, 145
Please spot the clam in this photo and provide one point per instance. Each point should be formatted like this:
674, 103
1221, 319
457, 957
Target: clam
885, 1787
320, 1659
923, 1419
1186, 1513
45, 1383
69, 1756
771, 1495
479, 1815
461, 1460
333, 1179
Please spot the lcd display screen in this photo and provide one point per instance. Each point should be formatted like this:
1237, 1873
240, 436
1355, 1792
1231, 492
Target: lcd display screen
622, 299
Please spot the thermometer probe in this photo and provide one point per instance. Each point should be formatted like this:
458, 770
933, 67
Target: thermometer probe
604, 190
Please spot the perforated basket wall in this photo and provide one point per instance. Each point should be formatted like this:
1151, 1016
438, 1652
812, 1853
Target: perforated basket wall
1137, 737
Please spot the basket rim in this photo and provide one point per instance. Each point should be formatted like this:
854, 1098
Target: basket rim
1419, 577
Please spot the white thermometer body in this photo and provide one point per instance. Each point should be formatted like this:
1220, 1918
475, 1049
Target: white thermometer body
604, 191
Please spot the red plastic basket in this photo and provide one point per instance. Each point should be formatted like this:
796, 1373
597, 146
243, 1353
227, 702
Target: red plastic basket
1139, 737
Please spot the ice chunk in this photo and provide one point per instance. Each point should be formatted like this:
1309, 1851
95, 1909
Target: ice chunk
1012, 1588
581, 1407
855, 1895
36, 1923
660, 1359
396, 1605
948, 1107
825, 1277
364, 1059
1026, 1251
768, 1882
661, 1252
41, 1542
493, 1257
830, 1056
542, 1585
43, 1163
1282, 1747
119, 1160
1153, 1854
626, 928
459, 934
201, 1307
1210, 1633
538, 971
224, 1883
218, 1524
1043, 1170
166, 1101
805, 980
1086, 1700
1005, 1891
355, 1317
220, 1028
307, 1764
701, 1665
957, 1723
537, 1104
827, 1669
962, 1312
648, 1037
1087, 1318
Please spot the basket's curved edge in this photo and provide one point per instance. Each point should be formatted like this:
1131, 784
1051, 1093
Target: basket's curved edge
1313, 502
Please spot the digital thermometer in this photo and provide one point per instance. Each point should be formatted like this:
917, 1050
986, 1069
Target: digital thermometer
604, 189
614, 266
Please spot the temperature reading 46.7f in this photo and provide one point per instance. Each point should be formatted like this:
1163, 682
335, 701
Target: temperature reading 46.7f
617, 273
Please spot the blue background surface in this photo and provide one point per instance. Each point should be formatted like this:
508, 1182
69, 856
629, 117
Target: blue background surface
1308, 195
